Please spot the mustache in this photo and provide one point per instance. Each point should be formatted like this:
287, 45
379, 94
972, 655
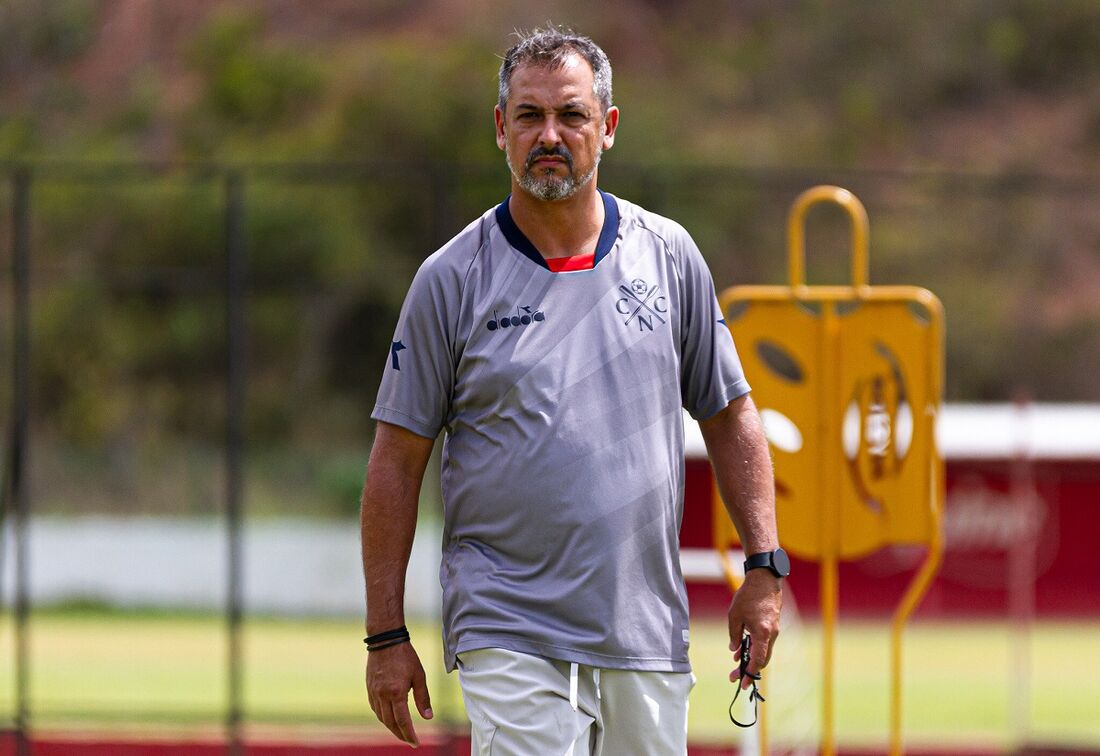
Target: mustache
559, 151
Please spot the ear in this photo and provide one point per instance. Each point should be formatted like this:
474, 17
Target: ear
610, 123
498, 117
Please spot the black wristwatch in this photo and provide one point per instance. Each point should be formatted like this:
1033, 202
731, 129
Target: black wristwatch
777, 561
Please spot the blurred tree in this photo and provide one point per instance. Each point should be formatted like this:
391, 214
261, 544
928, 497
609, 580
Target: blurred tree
724, 106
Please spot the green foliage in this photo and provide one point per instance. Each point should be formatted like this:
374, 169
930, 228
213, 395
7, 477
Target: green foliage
129, 308
60, 30
1054, 47
247, 84
136, 116
340, 481
81, 361
403, 104
145, 312
18, 133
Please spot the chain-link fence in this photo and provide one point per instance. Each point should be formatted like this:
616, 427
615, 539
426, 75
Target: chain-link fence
202, 342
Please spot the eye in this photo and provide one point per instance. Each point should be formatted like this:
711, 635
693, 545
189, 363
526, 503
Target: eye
527, 115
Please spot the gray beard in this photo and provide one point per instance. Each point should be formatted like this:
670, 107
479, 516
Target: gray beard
549, 187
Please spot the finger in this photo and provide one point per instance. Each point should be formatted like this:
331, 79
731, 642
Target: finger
758, 653
385, 716
737, 630
771, 647
373, 701
737, 675
420, 695
386, 713
403, 723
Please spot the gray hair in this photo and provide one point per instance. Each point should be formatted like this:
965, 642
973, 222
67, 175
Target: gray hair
550, 48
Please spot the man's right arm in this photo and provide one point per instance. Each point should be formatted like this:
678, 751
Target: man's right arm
387, 519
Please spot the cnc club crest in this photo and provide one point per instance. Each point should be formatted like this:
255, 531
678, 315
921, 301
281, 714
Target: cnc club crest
642, 304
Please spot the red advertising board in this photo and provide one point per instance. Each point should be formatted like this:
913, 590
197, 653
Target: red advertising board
1021, 527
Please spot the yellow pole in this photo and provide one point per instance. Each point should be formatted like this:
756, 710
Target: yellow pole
829, 476
913, 595
762, 722
829, 592
831, 462
721, 527
923, 578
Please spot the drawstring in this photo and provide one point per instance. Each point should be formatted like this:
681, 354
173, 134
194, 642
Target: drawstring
573, 685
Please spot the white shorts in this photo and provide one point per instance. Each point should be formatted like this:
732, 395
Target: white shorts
524, 705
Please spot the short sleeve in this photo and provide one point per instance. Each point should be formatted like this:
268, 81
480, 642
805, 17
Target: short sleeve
418, 379
710, 370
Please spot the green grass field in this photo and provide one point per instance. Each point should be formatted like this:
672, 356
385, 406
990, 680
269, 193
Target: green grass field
963, 682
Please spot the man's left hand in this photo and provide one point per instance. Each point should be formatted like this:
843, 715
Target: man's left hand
755, 610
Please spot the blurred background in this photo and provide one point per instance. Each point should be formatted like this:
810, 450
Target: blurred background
210, 212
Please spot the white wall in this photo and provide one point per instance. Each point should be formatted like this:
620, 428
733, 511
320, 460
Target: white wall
290, 566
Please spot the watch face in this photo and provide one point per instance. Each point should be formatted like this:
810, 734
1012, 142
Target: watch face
781, 563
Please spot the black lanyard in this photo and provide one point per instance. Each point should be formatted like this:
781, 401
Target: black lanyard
754, 695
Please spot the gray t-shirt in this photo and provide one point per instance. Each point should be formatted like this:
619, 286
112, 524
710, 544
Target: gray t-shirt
563, 464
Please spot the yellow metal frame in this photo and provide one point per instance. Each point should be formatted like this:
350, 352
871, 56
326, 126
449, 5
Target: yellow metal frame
796, 236
829, 297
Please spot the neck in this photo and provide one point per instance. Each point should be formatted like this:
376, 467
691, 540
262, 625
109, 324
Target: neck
561, 228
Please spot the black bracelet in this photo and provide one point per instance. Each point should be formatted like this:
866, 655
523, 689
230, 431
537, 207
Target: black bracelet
400, 633
387, 644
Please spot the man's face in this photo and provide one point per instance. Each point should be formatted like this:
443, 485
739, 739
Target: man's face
553, 131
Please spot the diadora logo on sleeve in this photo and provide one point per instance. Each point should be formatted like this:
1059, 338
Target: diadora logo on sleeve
525, 315
396, 347
642, 304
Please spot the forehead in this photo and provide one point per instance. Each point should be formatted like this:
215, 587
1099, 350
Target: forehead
542, 85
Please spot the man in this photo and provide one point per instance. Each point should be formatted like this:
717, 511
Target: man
556, 339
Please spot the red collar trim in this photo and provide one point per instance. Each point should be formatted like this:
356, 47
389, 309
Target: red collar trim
575, 262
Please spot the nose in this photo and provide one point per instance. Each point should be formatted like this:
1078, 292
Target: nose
549, 136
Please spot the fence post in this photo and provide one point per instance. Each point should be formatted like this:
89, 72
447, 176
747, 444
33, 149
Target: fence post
20, 495
235, 370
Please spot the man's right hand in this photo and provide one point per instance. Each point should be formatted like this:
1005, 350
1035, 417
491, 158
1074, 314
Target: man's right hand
387, 521
391, 673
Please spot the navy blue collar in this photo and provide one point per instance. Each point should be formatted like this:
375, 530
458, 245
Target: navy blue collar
517, 239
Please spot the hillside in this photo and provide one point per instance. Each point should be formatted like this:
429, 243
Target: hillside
971, 131
982, 87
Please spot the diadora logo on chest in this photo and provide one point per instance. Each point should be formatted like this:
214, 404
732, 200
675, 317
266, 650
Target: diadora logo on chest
525, 315
642, 304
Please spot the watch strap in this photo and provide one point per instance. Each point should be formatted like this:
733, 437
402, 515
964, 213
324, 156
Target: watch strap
763, 559
776, 561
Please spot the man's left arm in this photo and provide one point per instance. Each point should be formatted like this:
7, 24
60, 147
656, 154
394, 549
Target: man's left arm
742, 465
